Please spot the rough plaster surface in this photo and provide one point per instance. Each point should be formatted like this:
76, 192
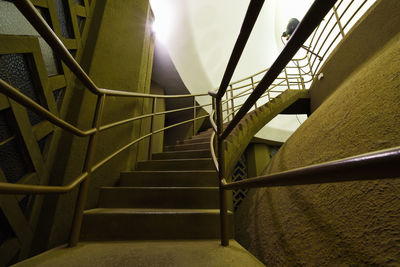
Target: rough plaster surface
146, 253
342, 224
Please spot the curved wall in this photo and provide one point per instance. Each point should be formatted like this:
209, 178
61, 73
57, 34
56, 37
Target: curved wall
341, 224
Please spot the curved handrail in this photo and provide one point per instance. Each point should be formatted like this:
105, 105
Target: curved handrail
213, 156
20, 98
41, 26
310, 21
361, 167
9, 188
307, 71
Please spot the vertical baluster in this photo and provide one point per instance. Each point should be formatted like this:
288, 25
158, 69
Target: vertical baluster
227, 105
301, 76
84, 187
252, 86
194, 115
338, 20
154, 110
232, 102
287, 79
221, 175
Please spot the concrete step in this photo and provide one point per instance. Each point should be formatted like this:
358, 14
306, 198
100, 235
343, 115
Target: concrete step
153, 253
186, 154
175, 165
205, 145
159, 197
169, 178
194, 141
151, 224
201, 136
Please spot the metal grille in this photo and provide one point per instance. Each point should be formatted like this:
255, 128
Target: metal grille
239, 173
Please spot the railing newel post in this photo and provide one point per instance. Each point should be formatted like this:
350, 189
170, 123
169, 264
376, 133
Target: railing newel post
232, 101
338, 20
194, 115
84, 187
224, 220
154, 108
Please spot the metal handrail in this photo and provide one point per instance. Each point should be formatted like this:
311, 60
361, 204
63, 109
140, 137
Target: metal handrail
41, 26
310, 21
347, 169
357, 168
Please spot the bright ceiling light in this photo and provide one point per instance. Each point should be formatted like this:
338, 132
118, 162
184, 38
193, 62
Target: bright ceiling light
162, 23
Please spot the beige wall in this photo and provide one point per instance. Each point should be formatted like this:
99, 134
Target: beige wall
340, 224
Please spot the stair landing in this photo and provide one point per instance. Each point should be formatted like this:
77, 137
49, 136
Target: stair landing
146, 253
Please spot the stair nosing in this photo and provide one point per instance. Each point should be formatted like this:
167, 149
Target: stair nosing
151, 211
191, 159
189, 171
194, 150
161, 187
188, 144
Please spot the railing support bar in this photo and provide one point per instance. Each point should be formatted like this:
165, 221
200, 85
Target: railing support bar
84, 187
232, 102
194, 116
154, 108
310, 21
338, 20
224, 220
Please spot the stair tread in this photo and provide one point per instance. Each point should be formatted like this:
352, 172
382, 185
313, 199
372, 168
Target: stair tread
160, 188
151, 211
184, 171
193, 159
191, 144
185, 151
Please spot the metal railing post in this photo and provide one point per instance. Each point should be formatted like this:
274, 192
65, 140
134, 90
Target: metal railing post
224, 220
287, 79
84, 187
252, 86
194, 115
227, 105
154, 108
338, 20
232, 102
301, 77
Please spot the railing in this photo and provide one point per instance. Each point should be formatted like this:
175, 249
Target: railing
265, 84
304, 68
375, 165
83, 180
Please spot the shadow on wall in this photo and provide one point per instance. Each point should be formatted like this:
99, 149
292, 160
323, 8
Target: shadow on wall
351, 223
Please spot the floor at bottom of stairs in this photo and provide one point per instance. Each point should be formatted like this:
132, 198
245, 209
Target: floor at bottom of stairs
146, 253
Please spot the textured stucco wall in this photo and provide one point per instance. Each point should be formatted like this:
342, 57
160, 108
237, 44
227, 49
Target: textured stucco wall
376, 27
341, 224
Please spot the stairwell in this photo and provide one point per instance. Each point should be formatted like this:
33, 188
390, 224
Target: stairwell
172, 196
168, 207
165, 213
